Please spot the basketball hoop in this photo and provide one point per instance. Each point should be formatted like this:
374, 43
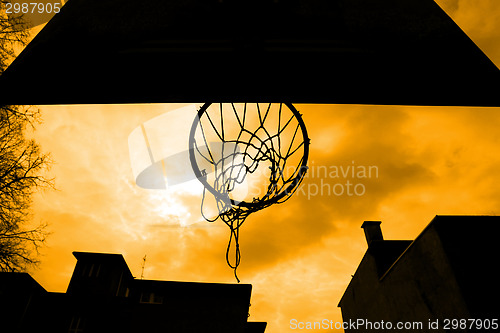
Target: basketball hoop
261, 146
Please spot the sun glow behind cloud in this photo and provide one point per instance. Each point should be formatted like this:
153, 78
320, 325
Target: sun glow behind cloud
168, 205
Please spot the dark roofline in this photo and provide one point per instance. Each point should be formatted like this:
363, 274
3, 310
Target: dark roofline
431, 223
116, 257
223, 290
242, 285
104, 257
113, 256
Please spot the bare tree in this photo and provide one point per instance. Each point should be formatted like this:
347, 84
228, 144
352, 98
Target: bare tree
13, 31
21, 165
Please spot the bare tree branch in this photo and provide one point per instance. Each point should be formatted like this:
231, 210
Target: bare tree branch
21, 165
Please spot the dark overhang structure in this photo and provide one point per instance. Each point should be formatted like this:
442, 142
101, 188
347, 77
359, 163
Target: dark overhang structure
387, 52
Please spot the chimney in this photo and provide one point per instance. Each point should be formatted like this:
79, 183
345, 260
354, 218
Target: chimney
372, 231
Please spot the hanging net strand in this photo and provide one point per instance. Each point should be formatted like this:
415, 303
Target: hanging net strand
236, 142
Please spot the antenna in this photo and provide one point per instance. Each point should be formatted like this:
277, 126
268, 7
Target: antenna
143, 264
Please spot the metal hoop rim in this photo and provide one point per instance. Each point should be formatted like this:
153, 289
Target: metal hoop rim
289, 190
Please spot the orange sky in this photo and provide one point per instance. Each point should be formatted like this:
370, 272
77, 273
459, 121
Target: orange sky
299, 256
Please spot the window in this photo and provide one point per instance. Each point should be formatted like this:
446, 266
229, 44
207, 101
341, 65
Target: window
83, 269
77, 324
151, 298
91, 270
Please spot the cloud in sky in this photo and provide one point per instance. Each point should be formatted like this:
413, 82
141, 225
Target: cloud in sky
429, 160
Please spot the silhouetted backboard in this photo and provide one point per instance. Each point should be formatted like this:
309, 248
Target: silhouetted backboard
389, 52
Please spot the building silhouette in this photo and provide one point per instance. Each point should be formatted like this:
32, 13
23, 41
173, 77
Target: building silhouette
446, 278
103, 296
